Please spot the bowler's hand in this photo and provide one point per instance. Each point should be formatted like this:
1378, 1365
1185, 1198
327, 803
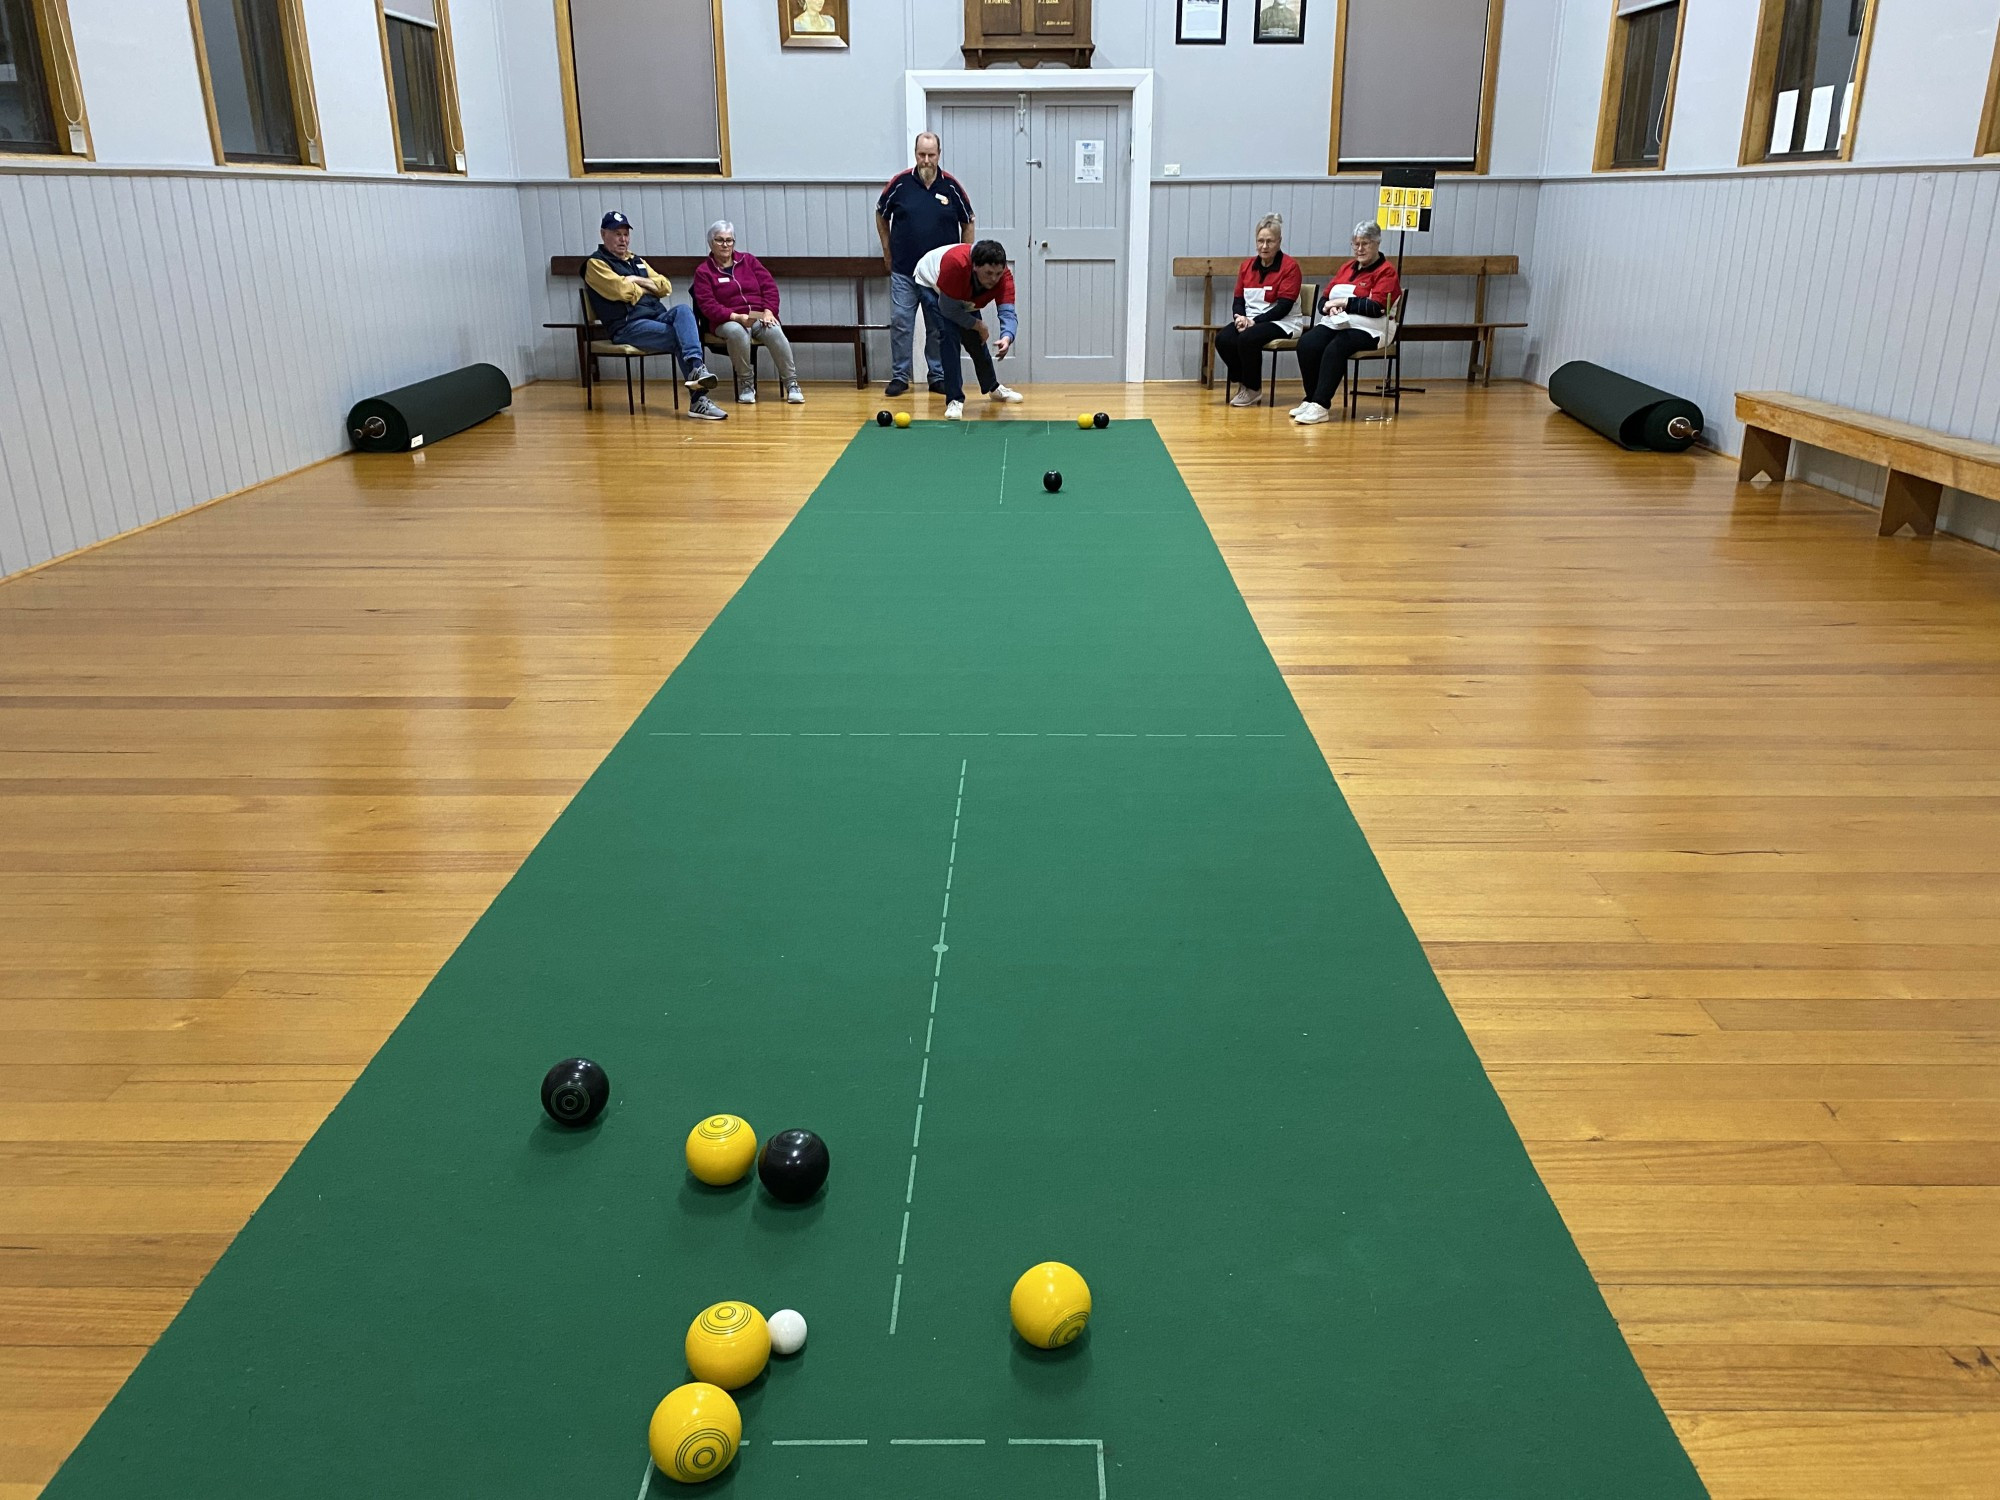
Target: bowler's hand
1000, 349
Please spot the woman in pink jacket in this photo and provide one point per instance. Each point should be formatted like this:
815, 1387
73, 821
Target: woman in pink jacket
736, 300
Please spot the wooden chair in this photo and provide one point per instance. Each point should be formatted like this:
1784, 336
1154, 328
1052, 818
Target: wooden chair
596, 349
1309, 295
1390, 350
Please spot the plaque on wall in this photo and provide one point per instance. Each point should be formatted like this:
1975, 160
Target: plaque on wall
1027, 32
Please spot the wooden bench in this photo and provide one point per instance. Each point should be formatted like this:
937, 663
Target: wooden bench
1478, 331
859, 269
1922, 464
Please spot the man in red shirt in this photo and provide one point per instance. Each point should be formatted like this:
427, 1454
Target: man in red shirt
953, 283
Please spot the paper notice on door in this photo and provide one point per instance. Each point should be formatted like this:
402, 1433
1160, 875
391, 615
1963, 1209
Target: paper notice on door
1783, 118
1090, 161
1819, 117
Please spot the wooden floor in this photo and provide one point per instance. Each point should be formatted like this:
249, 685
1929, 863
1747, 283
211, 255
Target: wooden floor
1691, 791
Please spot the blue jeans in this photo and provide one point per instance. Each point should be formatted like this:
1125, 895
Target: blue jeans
675, 333
903, 298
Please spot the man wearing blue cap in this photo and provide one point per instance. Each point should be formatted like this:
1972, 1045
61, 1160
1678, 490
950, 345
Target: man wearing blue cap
626, 296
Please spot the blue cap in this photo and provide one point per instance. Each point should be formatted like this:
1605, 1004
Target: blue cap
615, 220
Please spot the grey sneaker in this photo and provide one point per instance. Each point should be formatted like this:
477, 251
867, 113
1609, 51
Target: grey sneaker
1245, 397
704, 410
700, 378
794, 395
746, 394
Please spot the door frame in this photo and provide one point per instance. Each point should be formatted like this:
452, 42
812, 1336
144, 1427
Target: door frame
1137, 83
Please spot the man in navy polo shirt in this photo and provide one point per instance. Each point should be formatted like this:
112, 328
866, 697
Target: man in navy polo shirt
919, 210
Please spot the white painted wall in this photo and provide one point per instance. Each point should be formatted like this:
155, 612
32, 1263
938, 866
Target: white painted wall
484, 106
355, 126
1237, 111
135, 59
1926, 83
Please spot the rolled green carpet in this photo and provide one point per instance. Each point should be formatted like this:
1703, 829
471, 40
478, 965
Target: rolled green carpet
430, 410
1629, 412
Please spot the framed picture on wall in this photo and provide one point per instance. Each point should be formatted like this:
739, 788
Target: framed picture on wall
1202, 23
1281, 20
812, 23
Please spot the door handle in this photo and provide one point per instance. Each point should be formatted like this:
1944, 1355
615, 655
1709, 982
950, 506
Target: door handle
1045, 244
1034, 161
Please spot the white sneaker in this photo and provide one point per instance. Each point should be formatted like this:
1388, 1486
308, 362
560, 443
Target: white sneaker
1245, 397
1299, 409
1003, 393
793, 395
746, 395
954, 411
1310, 413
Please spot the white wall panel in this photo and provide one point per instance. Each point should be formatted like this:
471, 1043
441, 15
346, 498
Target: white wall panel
1875, 290
169, 338
1214, 218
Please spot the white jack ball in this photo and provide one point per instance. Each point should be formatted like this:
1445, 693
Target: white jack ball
788, 1332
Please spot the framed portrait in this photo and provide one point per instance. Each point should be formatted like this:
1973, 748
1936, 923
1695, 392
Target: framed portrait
1281, 20
813, 23
1202, 23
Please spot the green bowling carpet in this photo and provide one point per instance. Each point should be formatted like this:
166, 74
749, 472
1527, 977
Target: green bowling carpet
981, 835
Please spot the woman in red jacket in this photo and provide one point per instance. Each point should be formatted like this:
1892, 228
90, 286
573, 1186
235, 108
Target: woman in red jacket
1266, 307
1354, 316
736, 302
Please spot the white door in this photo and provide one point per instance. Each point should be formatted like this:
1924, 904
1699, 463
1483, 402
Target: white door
1051, 180
1078, 199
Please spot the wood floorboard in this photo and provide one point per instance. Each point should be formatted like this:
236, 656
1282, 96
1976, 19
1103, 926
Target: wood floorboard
1688, 787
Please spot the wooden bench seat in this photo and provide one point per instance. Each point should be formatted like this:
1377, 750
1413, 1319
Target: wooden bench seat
859, 269
1922, 464
1479, 331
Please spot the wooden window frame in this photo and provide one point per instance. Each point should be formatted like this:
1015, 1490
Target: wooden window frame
573, 120
1989, 119
454, 124
1482, 158
1762, 105
305, 102
65, 85
1614, 90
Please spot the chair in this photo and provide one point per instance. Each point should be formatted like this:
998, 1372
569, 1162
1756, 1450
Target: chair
1309, 294
597, 348
1391, 350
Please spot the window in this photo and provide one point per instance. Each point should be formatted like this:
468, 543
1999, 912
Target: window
1805, 85
41, 108
643, 86
1639, 84
1989, 123
257, 79
423, 85
1413, 84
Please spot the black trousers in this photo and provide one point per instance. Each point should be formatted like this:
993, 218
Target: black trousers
1323, 356
1242, 351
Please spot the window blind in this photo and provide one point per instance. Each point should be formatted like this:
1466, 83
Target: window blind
1413, 77
645, 83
